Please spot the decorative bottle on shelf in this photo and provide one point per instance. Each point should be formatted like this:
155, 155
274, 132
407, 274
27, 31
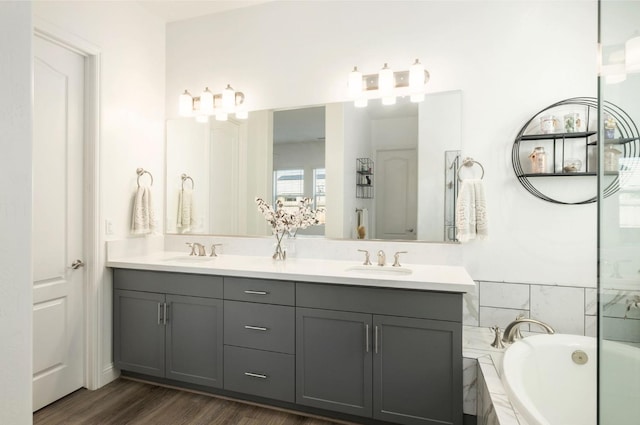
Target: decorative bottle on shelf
611, 158
538, 160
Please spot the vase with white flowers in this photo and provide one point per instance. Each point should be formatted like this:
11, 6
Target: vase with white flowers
287, 222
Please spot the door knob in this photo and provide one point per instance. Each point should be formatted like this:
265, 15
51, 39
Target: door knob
77, 264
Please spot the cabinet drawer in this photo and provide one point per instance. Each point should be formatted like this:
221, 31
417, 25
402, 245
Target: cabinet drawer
261, 326
259, 290
392, 302
260, 373
168, 283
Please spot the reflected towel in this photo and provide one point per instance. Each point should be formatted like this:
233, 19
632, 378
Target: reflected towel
362, 223
471, 211
186, 214
143, 218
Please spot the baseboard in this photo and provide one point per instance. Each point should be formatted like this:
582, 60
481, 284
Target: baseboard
109, 374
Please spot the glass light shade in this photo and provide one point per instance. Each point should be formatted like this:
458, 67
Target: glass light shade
222, 116
202, 118
206, 102
228, 99
185, 104
355, 83
632, 54
361, 103
389, 100
416, 76
386, 84
242, 114
417, 97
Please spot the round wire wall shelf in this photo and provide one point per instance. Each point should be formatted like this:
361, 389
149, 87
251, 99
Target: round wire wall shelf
581, 140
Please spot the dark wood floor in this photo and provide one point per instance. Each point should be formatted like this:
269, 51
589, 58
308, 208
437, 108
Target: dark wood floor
127, 402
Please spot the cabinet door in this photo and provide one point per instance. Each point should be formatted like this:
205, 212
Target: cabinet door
194, 347
138, 332
417, 375
333, 360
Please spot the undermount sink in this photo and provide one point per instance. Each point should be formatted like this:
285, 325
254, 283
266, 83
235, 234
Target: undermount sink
189, 259
380, 270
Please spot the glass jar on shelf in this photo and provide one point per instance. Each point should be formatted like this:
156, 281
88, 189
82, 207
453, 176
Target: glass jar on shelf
538, 160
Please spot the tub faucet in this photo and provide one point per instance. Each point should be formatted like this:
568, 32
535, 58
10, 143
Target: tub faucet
382, 259
510, 330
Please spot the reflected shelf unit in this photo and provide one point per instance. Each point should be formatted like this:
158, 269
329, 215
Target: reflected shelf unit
364, 178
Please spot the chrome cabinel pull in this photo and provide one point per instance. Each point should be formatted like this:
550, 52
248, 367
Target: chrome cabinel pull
256, 375
256, 328
376, 340
77, 264
164, 315
252, 292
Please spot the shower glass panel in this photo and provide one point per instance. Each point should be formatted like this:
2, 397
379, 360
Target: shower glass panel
619, 220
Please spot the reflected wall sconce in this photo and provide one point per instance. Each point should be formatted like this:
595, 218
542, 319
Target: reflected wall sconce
388, 84
208, 104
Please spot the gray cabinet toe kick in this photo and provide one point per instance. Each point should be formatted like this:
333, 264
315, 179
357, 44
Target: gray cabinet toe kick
368, 355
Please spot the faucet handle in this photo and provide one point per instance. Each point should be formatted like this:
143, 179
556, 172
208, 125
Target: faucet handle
213, 249
192, 246
367, 261
396, 258
497, 338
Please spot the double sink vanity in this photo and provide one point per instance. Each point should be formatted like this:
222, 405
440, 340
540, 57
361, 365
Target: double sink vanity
367, 344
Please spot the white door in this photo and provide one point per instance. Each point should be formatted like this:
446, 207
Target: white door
58, 321
225, 178
396, 194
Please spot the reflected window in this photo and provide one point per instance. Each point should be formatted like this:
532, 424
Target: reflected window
319, 185
288, 187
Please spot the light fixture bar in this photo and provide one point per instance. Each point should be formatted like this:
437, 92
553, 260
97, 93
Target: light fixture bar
401, 80
193, 106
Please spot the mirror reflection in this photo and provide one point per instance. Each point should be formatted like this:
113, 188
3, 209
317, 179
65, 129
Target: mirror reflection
381, 172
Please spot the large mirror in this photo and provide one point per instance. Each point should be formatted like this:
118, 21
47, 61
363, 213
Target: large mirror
380, 172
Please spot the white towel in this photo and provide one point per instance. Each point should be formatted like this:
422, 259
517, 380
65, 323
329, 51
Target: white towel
471, 211
186, 213
143, 218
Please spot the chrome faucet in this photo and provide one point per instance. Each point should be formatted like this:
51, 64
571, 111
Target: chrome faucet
213, 249
197, 249
367, 261
382, 259
510, 330
396, 258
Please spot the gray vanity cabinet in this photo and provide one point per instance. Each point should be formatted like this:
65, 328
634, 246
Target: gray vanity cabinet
393, 355
168, 335
333, 360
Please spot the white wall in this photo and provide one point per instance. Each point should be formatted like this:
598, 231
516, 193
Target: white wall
509, 59
15, 212
132, 45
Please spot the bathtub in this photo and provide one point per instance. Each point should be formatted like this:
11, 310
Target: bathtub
551, 380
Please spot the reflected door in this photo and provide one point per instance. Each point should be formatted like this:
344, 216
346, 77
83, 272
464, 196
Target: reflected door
58, 337
396, 194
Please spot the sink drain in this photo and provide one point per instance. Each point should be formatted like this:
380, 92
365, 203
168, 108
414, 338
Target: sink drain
579, 357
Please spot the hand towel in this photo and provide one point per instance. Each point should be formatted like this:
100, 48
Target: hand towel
143, 219
471, 211
362, 223
186, 213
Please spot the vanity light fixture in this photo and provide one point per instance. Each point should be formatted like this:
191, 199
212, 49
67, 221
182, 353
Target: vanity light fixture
208, 104
388, 85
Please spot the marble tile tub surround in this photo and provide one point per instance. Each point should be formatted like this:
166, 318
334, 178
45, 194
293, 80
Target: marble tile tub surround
569, 310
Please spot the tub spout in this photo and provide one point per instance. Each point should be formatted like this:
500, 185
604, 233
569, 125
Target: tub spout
510, 330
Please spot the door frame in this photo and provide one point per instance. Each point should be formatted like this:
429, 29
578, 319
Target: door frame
93, 302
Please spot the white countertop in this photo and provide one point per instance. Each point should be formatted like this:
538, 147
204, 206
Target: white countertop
422, 277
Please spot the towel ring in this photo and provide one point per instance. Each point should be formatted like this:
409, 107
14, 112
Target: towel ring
469, 162
185, 177
140, 172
